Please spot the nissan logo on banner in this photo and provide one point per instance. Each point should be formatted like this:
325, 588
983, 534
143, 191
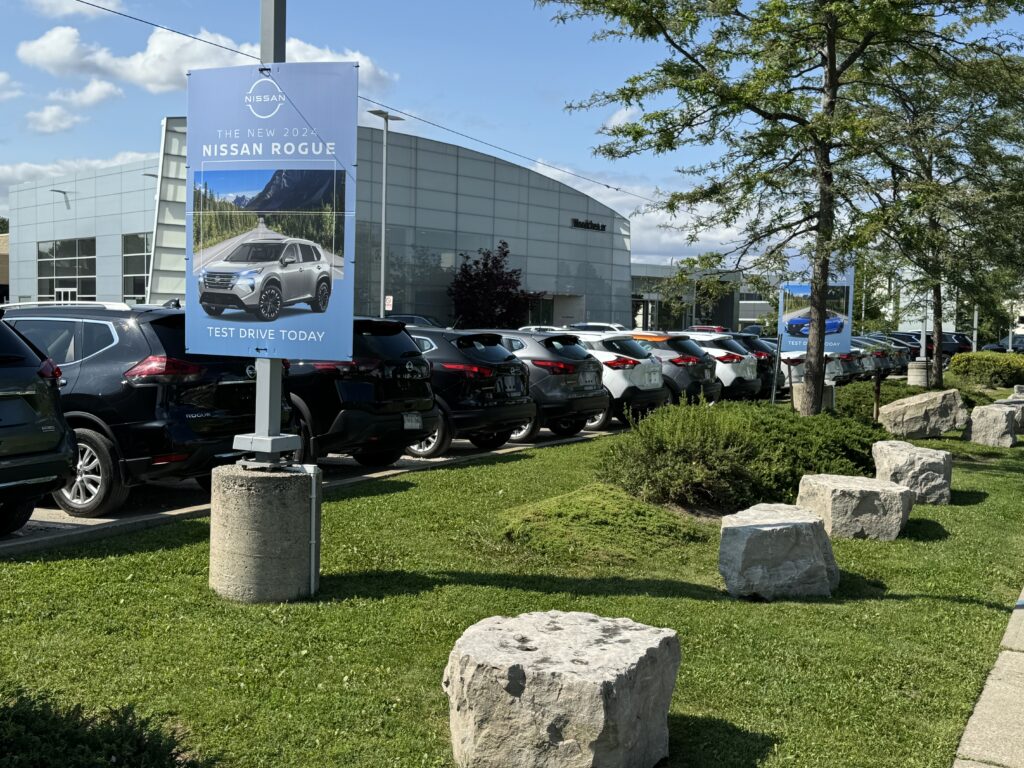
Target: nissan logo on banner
250, 371
264, 98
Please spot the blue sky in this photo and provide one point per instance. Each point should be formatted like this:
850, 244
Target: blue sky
81, 87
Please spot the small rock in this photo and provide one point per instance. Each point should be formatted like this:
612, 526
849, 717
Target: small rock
1018, 409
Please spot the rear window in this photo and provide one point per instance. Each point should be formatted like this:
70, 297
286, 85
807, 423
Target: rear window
13, 351
387, 341
755, 344
170, 332
627, 347
686, 347
484, 347
730, 345
568, 347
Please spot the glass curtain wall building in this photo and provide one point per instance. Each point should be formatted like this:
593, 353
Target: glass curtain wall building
91, 235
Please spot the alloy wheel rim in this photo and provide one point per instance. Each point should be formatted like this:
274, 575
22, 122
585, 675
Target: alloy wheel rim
88, 481
270, 304
595, 419
323, 295
522, 430
426, 443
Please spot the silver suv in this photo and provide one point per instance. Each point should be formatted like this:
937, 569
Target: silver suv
264, 275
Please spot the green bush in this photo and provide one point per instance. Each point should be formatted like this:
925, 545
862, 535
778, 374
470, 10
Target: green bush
732, 455
857, 399
37, 731
989, 369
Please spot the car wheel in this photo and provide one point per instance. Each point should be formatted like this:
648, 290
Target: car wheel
489, 441
14, 514
525, 432
205, 482
322, 297
383, 457
304, 454
434, 444
269, 307
567, 427
213, 311
96, 488
599, 420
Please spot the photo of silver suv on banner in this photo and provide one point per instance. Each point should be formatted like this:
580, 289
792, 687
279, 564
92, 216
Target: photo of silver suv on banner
270, 183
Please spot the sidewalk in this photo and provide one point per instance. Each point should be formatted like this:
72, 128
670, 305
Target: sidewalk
995, 733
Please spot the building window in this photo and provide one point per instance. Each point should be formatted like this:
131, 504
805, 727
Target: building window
136, 256
67, 269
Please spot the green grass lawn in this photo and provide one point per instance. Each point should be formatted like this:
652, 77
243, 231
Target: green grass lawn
886, 673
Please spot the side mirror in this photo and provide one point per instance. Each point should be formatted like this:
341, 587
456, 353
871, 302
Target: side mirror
286, 260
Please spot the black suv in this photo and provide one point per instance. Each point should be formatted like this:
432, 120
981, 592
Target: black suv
765, 355
372, 406
565, 382
141, 407
37, 448
481, 388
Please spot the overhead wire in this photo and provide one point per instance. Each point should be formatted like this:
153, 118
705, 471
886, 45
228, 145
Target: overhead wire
409, 115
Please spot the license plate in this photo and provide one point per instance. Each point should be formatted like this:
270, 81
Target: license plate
510, 383
654, 377
412, 420
588, 379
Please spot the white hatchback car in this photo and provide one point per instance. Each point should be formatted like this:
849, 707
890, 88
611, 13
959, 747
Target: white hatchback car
736, 367
632, 375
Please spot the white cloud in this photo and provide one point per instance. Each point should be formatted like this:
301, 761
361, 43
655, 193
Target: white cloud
18, 173
162, 65
60, 8
8, 88
656, 237
621, 116
52, 118
93, 93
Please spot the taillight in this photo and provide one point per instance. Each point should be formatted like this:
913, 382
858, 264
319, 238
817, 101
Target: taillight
685, 360
730, 357
793, 360
356, 365
762, 355
846, 356
158, 369
878, 353
555, 366
471, 371
48, 370
621, 363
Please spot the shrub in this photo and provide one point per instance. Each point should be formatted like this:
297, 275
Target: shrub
989, 369
35, 730
857, 399
731, 455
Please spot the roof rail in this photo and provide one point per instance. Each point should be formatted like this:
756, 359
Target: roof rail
99, 304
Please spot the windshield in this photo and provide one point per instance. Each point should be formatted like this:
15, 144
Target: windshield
255, 253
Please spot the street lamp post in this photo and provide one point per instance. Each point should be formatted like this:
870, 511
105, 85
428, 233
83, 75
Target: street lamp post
386, 117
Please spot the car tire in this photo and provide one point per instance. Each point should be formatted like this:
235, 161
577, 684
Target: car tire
434, 444
567, 427
599, 420
213, 311
14, 514
382, 457
322, 297
269, 307
96, 488
304, 454
490, 441
205, 482
525, 432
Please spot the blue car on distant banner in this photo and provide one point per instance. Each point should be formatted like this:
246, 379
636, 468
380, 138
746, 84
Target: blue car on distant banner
801, 325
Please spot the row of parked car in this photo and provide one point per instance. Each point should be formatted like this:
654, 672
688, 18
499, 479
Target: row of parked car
97, 398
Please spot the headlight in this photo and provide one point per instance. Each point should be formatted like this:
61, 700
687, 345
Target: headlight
251, 272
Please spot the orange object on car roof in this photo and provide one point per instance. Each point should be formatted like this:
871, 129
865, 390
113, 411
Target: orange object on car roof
651, 336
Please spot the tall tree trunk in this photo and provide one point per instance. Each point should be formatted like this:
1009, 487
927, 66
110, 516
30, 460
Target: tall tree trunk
814, 371
937, 335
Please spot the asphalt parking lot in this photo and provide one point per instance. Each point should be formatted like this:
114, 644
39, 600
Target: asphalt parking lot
166, 502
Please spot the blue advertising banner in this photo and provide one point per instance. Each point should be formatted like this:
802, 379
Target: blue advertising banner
795, 315
270, 210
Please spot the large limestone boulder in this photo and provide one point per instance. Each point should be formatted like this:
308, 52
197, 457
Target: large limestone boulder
992, 425
1018, 391
925, 471
857, 507
776, 551
561, 690
929, 414
1017, 406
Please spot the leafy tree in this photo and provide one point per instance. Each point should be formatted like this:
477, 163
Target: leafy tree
774, 88
486, 293
5, 225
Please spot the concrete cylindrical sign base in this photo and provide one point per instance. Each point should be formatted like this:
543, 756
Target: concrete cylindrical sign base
265, 534
828, 396
918, 373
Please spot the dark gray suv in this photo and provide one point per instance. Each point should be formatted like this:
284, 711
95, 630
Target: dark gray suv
37, 449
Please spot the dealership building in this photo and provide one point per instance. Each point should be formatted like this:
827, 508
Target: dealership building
118, 233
